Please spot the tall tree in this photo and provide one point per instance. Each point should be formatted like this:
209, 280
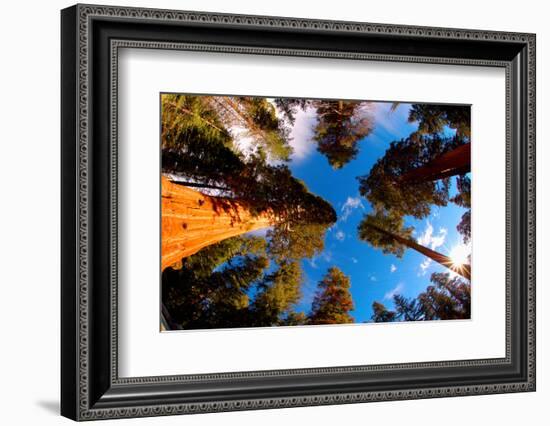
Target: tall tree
447, 298
333, 301
246, 192
192, 220
386, 231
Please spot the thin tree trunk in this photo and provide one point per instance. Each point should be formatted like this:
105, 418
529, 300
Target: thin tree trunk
452, 163
192, 221
463, 270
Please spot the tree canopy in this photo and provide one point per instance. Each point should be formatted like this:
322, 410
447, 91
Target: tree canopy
339, 128
371, 230
432, 118
415, 175
382, 187
210, 289
447, 298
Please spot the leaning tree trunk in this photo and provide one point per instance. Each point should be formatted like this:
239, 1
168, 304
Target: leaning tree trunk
452, 163
463, 270
192, 220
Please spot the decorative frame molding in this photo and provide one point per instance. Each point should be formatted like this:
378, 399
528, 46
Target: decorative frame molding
91, 388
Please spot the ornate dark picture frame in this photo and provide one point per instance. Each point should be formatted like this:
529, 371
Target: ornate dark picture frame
91, 37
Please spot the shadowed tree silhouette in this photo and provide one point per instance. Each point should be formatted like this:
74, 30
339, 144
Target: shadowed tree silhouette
433, 118
447, 298
381, 313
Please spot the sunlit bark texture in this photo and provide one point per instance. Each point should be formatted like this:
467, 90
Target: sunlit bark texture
192, 220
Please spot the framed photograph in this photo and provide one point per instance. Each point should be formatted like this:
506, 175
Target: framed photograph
263, 212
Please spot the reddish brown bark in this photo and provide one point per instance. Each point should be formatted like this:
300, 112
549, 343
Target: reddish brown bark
452, 163
192, 220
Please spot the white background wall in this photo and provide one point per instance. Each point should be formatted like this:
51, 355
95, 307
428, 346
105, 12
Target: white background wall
29, 212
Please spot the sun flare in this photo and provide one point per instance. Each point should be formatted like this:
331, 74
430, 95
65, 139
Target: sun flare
459, 255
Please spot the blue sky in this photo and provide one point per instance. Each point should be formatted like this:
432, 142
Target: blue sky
374, 275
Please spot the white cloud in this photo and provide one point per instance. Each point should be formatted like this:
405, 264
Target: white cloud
391, 121
428, 239
312, 263
393, 268
302, 133
327, 255
340, 236
396, 290
350, 205
425, 265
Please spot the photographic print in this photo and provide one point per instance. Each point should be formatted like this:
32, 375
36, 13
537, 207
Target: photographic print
298, 212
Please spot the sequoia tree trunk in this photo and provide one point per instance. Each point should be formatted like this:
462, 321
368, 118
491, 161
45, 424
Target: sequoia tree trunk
192, 220
452, 163
446, 261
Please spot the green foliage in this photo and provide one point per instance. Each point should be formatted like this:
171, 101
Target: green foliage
383, 188
433, 118
407, 309
371, 229
187, 119
274, 136
294, 242
463, 198
294, 318
258, 119
447, 298
381, 313
276, 190
333, 301
211, 287
340, 126
277, 293
290, 106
